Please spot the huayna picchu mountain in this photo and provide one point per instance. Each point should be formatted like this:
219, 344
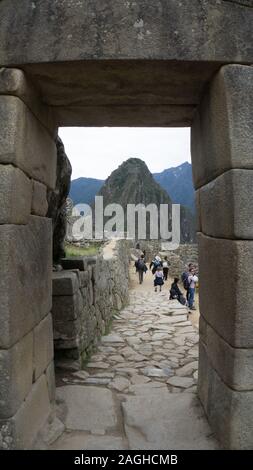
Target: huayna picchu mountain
133, 183
177, 182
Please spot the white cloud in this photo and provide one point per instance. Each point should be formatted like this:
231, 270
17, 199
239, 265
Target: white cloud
96, 152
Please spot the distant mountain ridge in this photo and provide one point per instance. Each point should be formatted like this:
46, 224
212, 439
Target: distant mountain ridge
83, 190
132, 183
176, 181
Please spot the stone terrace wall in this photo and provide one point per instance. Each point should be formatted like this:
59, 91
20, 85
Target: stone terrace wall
85, 300
179, 258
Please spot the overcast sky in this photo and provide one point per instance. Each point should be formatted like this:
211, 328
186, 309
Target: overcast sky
96, 152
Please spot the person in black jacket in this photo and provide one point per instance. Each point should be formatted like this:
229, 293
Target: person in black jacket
175, 292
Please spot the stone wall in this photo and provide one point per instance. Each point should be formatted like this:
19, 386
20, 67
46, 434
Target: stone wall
85, 300
27, 171
179, 258
222, 147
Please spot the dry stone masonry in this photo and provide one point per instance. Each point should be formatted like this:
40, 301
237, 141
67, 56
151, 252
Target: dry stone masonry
27, 169
160, 63
85, 301
222, 146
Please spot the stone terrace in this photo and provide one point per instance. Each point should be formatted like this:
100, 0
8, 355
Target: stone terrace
139, 390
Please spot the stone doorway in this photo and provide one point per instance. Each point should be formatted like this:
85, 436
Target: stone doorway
221, 122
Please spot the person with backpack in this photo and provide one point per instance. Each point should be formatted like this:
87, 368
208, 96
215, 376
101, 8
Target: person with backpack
192, 279
165, 265
175, 292
155, 264
141, 268
159, 278
185, 281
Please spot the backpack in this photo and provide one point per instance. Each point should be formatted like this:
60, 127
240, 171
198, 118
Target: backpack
156, 263
141, 265
185, 281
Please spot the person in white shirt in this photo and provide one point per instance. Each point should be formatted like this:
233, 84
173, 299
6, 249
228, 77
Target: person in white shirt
192, 279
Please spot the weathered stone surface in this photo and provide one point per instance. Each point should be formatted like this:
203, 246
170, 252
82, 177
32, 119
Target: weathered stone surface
155, 372
82, 441
227, 205
16, 366
97, 381
66, 334
221, 133
120, 384
66, 308
88, 407
181, 382
43, 345
65, 283
198, 211
227, 409
227, 309
112, 339
187, 369
15, 196
234, 365
25, 286
14, 82
25, 143
52, 431
50, 375
22, 429
138, 36
39, 199
178, 423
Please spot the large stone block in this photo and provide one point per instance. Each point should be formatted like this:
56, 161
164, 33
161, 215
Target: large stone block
109, 29
25, 281
15, 195
43, 346
16, 373
66, 334
228, 410
25, 143
222, 130
14, 82
65, 283
20, 431
226, 294
50, 375
39, 199
203, 378
66, 308
234, 365
227, 205
198, 211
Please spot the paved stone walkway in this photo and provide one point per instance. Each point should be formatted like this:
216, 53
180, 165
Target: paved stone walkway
139, 390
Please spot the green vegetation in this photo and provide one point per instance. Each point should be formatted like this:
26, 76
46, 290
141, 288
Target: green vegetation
77, 251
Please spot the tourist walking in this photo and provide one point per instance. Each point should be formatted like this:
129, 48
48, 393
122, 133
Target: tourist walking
155, 264
192, 279
159, 278
165, 265
185, 280
175, 292
141, 268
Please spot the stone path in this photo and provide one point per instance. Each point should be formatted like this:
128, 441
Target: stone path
139, 390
